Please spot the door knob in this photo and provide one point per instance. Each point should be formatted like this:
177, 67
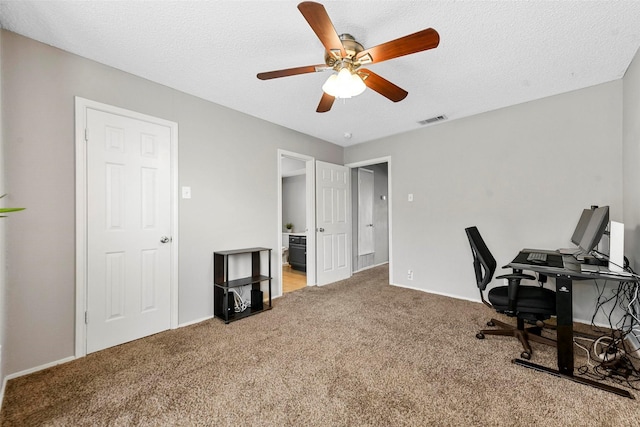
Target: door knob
321, 230
165, 239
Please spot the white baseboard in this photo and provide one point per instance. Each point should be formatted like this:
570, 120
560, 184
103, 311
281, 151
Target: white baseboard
31, 371
444, 294
38, 368
371, 266
65, 360
193, 322
575, 319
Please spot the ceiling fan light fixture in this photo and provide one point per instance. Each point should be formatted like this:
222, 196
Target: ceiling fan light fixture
345, 84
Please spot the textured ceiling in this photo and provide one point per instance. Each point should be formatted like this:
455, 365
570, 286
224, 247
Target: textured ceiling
492, 54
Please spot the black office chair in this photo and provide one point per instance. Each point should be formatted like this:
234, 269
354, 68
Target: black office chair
532, 304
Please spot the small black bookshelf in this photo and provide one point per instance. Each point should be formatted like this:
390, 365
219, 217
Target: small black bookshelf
223, 285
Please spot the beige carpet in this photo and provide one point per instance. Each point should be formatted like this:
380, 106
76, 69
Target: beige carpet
358, 352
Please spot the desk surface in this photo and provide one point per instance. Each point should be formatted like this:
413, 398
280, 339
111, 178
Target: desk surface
571, 267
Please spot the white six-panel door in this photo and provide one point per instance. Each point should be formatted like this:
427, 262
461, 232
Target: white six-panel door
333, 224
128, 229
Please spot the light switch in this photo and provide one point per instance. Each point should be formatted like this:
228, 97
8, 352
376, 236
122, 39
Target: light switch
186, 192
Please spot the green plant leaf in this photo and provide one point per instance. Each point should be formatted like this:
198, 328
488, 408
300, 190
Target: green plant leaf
5, 210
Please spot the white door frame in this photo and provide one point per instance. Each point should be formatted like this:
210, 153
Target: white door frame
81, 107
386, 160
310, 214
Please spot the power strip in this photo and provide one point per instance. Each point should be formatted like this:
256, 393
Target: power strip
606, 351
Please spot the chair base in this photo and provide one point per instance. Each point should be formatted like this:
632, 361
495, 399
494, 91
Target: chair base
523, 334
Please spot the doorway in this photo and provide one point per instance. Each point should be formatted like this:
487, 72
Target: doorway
296, 209
371, 213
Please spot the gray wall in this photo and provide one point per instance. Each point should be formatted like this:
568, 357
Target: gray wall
482, 170
521, 174
631, 158
229, 159
631, 132
3, 262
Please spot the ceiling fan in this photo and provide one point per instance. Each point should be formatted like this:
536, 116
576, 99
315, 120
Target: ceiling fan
346, 56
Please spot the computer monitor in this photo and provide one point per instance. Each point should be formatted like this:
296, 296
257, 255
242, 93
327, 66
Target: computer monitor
581, 227
595, 229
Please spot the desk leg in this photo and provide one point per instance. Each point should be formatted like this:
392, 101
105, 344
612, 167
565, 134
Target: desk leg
564, 309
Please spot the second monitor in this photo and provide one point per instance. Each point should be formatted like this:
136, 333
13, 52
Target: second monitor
595, 229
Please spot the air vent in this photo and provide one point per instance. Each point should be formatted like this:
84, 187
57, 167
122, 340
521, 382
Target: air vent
433, 120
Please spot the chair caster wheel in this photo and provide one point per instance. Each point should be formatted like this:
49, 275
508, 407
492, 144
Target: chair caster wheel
490, 323
525, 355
480, 335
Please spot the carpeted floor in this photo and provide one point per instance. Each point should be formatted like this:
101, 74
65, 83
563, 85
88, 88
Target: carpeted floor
358, 352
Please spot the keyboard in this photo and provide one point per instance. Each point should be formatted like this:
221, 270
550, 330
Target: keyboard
537, 257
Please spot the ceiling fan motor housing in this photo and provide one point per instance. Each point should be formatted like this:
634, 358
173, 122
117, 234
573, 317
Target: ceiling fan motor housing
351, 46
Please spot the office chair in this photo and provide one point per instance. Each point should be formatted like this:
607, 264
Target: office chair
532, 304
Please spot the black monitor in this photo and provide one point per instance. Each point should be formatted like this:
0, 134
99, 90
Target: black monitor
595, 229
581, 227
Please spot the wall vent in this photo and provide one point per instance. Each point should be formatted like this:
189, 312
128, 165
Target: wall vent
433, 120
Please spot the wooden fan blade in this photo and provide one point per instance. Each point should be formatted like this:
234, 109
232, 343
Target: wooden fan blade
292, 71
326, 102
383, 86
413, 43
318, 18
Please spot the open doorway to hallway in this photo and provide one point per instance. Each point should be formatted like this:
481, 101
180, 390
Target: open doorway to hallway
296, 219
370, 214
292, 280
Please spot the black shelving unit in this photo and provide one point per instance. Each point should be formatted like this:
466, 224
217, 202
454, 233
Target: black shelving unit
223, 302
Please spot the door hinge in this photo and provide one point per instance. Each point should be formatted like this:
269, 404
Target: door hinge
86, 317
86, 134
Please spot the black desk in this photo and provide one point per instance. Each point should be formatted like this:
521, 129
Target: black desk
564, 276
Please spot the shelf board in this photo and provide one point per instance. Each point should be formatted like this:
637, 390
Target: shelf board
233, 316
243, 281
241, 251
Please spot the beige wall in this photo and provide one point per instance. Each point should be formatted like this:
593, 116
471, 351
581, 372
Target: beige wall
521, 174
227, 158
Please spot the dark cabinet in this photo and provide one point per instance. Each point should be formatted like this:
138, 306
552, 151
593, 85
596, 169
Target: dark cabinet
298, 252
228, 304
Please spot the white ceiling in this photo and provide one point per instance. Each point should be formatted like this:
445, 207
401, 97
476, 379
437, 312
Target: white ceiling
492, 54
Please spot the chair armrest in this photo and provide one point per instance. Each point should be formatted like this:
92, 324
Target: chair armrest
514, 283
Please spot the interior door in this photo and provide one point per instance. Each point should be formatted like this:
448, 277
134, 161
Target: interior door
333, 227
128, 229
365, 212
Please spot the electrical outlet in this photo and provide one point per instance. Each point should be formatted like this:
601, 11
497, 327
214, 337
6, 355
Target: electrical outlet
410, 274
186, 192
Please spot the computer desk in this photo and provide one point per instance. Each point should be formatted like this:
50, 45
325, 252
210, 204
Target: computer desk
564, 277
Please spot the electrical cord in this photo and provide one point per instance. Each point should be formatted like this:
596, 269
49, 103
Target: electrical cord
239, 304
613, 357
587, 351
